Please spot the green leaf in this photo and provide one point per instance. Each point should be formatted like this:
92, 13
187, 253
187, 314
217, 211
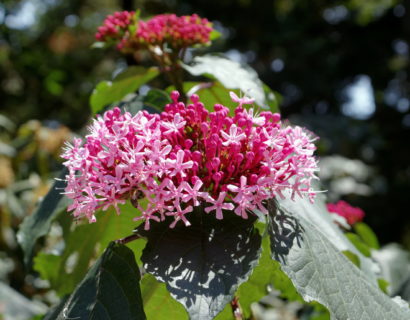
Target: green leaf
82, 245
367, 235
156, 100
352, 257
107, 92
383, 285
38, 223
319, 270
158, 303
110, 290
233, 75
203, 264
214, 35
211, 93
358, 243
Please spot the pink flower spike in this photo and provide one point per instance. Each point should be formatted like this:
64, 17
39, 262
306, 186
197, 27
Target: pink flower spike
241, 101
219, 205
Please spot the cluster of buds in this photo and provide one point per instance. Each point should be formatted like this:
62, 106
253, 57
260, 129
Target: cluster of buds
178, 32
129, 33
186, 157
345, 210
116, 26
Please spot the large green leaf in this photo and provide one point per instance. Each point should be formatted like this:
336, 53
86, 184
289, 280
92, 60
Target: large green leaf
38, 223
318, 268
107, 92
110, 290
83, 243
233, 75
203, 264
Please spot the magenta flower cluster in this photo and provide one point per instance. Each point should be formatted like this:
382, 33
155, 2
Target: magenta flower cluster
187, 157
115, 26
177, 31
123, 29
344, 209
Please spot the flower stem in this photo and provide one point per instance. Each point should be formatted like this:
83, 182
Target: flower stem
128, 239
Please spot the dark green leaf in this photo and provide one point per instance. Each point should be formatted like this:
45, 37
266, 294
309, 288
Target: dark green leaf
156, 100
233, 75
202, 265
107, 92
110, 290
367, 235
37, 224
158, 303
53, 313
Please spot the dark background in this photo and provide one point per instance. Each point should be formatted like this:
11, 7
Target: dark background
312, 52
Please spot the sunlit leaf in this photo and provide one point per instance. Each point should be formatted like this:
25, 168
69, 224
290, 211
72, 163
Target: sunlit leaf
107, 92
158, 303
320, 271
233, 75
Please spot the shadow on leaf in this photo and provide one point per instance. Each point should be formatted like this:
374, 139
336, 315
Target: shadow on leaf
202, 265
283, 230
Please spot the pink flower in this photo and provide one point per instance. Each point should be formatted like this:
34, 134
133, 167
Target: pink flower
219, 205
187, 157
350, 213
241, 101
233, 136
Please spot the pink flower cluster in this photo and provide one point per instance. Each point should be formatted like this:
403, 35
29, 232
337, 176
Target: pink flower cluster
350, 213
115, 26
178, 32
187, 157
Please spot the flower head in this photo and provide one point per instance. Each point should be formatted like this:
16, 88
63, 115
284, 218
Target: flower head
177, 32
187, 157
350, 213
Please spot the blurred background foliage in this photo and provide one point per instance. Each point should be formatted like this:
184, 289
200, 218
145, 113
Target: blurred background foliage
340, 66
